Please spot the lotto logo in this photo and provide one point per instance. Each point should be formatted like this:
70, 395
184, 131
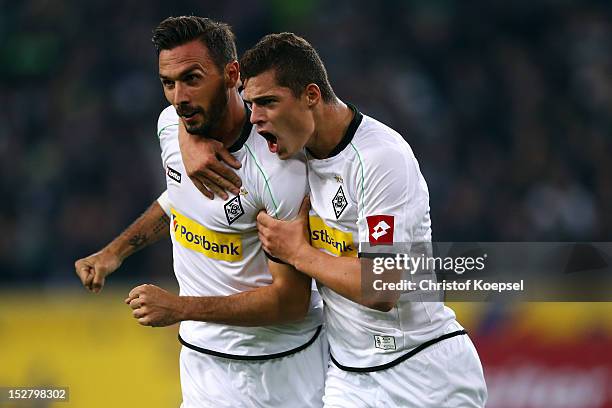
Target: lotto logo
173, 174
380, 228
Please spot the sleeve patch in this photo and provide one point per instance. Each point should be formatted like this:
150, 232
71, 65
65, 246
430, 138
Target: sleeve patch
380, 229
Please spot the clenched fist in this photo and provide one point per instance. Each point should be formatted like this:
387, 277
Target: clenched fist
154, 306
94, 269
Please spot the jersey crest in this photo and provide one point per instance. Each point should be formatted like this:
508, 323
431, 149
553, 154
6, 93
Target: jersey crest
233, 209
339, 202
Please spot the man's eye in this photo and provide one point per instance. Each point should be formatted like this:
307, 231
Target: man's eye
167, 83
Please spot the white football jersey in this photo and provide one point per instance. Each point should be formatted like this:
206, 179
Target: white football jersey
215, 245
370, 191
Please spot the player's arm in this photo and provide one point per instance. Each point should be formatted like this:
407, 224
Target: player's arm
150, 227
391, 184
286, 299
288, 241
206, 162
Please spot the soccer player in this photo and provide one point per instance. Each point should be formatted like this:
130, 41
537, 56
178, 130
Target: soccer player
249, 326
366, 189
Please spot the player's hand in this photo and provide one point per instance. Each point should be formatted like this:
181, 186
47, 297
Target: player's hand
94, 269
154, 306
204, 162
285, 239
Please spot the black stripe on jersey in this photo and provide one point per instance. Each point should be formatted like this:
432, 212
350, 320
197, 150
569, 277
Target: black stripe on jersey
372, 255
251, 358
244, 134
399, 359
350, 132
273, 259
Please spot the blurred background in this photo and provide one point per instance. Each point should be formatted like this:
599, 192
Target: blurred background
507, 105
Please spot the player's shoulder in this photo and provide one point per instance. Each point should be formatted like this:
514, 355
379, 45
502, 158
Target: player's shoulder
374, 135
378, 144
167, 118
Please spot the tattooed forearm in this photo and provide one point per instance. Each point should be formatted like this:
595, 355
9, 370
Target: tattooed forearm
150, 227
138, 241
161, 224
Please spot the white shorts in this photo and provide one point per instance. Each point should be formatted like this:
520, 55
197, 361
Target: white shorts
293, 381
447, 374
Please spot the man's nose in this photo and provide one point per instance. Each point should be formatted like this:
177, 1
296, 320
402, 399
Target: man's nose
257, 115
181, 96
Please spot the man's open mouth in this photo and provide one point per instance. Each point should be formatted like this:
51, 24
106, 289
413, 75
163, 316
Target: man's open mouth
272, 142
188, 115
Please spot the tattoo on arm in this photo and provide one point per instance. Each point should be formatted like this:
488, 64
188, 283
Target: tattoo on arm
138, 241
162, 223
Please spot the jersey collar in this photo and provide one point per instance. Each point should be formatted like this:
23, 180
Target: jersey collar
244, 134
350, 132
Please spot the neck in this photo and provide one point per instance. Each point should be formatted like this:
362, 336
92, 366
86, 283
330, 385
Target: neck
331, 122
231, 125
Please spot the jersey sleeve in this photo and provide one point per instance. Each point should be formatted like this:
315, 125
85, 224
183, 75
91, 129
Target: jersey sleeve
164, 202
393, 200
167, 123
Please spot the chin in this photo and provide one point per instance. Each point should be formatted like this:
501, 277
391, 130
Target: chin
285, 155
200, 129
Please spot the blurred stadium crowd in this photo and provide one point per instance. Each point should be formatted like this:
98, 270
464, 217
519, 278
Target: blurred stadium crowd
507, 105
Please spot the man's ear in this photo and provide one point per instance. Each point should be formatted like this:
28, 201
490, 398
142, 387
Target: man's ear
312, 94
232, 74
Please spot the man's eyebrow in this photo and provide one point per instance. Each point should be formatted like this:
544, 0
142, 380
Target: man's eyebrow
261, 98
188, 70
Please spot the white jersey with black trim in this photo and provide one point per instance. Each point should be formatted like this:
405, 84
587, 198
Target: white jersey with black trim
371, 188
215, 245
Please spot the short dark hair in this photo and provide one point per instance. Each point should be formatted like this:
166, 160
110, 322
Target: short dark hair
217, 37
295, 61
